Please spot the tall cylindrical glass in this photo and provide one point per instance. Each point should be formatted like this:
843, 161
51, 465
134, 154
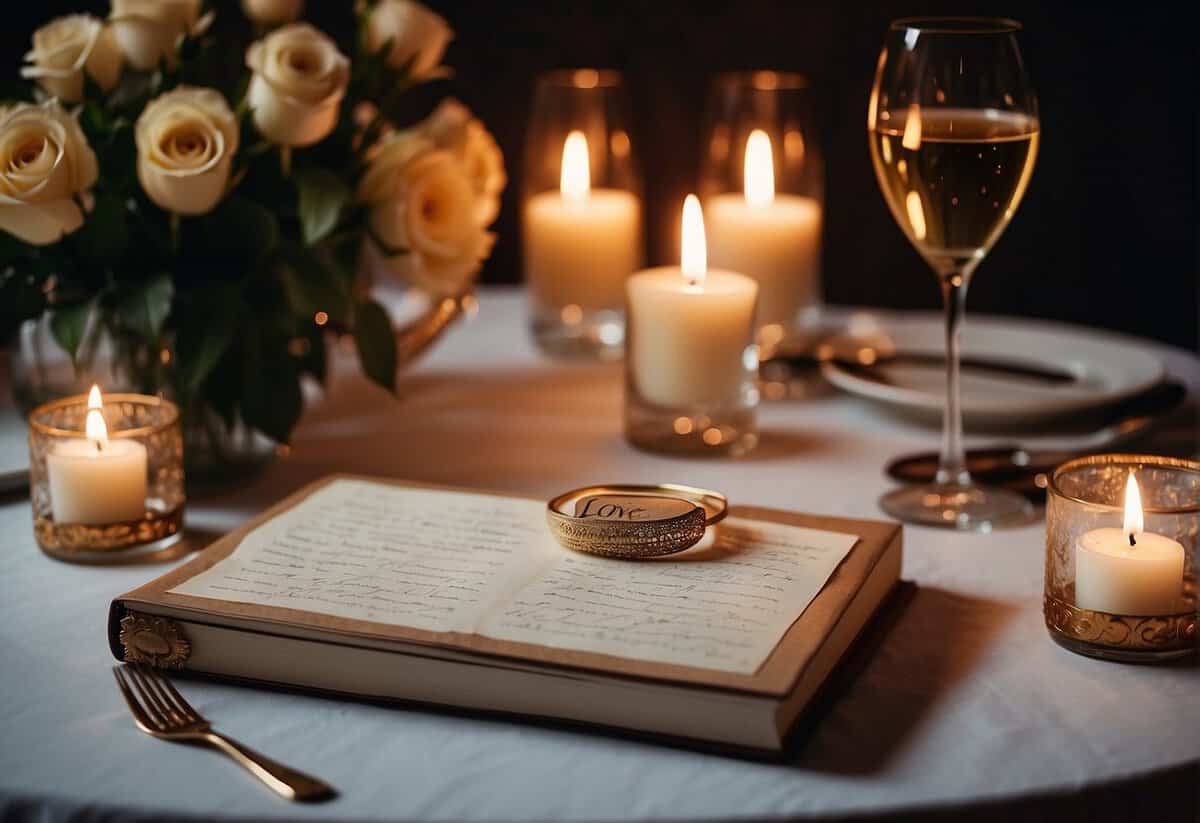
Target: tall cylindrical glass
582, 213
762, 182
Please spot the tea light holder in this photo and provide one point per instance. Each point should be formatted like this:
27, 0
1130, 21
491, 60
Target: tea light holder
1094, 576
111, 503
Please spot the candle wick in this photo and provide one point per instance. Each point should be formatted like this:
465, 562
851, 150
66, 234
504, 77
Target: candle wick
1132, 542
99, 446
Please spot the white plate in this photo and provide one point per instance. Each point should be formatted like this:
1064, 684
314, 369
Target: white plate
1108, 368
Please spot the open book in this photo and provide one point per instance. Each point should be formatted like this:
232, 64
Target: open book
386, 590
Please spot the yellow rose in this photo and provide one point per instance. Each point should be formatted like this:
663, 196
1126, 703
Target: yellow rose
420, 199
150, 30
65, 48
451, 126
46, 165
298, 84
419, 36
186, 140
272, 12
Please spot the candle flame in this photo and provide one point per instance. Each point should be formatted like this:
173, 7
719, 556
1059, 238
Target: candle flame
1134, 519
94, 427
759, 172
912, 129
575, 181
693, 256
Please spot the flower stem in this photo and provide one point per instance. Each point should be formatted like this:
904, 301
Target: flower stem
285, 159
175, 222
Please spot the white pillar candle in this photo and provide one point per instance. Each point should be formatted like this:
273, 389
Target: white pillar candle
95, 480
581, 244
1120, 575
774, 238
690, 327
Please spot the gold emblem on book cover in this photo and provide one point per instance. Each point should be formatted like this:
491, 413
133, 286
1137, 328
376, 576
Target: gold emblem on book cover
155, 641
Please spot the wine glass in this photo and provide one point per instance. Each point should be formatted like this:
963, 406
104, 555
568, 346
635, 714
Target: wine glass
953, 127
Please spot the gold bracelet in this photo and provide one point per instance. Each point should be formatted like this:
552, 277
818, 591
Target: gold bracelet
635, 521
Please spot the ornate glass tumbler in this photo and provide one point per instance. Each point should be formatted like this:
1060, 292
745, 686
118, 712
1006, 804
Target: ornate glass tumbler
106, 477
581, 214
1122, 536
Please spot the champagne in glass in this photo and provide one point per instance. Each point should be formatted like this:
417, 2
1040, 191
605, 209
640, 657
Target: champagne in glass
953, 131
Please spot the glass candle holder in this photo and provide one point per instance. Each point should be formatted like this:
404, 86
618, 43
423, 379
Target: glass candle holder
112, 499
582, 213
691, 364
762, 182
1111, 596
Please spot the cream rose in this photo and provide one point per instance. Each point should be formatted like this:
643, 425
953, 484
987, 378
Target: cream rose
418, 36
149, 31
46, 167
186, 140
65, 48
272, 12
451, 126
420, 199
299, 80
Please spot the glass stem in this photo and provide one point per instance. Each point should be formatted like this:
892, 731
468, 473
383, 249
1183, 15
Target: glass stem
952, 466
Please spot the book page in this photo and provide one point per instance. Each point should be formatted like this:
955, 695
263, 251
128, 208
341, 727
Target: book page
422, 558
725, 607
464, 562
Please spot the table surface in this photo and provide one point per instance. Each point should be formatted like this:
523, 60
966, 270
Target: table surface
967, 700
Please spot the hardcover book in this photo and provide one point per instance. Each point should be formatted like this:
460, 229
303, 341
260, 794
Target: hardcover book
386, 590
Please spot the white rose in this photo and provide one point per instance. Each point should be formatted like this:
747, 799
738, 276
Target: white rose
299, 81
46, 165
272, 12
65, 48
451, 126
150, 30
418, 36
186, 140
419, 199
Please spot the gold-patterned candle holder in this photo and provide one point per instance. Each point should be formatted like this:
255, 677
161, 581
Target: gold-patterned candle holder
1089, 493
104, 513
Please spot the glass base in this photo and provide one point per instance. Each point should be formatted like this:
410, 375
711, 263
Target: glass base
1102, 652
709, 433
574, 333
950, 506
112, 543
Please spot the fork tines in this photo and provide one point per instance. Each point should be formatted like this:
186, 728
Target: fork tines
152, 699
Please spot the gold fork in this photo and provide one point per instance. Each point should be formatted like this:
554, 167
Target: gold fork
159, 710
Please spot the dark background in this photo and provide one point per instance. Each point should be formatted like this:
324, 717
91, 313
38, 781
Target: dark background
1106, 235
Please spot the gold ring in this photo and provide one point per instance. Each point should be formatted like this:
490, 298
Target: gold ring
635, 521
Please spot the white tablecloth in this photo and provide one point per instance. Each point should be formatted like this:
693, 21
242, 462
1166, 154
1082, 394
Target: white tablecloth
966, 702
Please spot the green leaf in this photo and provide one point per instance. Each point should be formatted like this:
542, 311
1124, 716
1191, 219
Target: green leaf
105, 236
312, 286
238, 229
323, 195
376, 343
145, 309
68, 324
271, 397
204, 331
